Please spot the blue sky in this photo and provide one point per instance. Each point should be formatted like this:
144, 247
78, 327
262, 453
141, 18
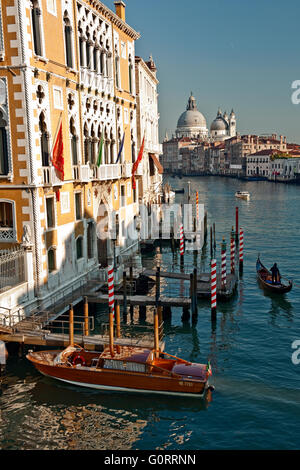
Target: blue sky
241, 54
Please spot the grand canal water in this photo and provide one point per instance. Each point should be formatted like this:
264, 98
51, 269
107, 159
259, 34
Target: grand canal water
256, 403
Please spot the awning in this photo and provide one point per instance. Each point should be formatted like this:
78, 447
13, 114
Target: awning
157, 163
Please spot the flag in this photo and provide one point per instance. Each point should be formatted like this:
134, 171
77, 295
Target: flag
208, 369
100, 151
57, 154
121, 148
136, 163
57, 195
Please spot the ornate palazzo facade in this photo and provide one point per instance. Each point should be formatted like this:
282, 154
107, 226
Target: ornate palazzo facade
68, 61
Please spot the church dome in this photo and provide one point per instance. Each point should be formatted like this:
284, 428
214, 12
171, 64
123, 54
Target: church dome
219, 124
192, 118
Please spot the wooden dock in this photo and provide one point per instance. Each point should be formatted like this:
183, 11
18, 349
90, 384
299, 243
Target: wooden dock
93, 343
203, 282
141, 300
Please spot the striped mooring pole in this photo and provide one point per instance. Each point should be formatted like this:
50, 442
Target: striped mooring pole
241, 254
232, 251
223, 265
236, 225
197, 206
111, 289
213, 289
181, 245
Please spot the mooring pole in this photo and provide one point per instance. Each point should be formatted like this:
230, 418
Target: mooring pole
118, 325
211, 243
181, 247
157, 283
232, 252
215, 245
241, 264
237, 225
213, 289
205, 226
124, 293
223, 265
192, 293
195, 292
131, 285
111, 332
156, 334
86, 317
71, 325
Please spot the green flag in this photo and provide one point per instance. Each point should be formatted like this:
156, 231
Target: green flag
100, 151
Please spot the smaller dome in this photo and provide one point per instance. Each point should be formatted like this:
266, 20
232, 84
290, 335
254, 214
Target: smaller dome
219, 124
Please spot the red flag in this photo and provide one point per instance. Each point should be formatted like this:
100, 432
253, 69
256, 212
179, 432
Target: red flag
57, 155
136, 163
57, 195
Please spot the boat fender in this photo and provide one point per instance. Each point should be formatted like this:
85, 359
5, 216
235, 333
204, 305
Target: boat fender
78, 359
211, 388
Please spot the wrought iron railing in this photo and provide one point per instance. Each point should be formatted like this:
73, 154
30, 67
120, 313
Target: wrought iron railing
12, 268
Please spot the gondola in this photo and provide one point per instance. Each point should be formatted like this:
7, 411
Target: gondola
265, 279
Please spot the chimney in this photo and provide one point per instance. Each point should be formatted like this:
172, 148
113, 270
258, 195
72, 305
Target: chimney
120, 9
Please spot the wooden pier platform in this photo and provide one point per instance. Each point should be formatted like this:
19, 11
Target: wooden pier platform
141, 300
203, 282
92, 343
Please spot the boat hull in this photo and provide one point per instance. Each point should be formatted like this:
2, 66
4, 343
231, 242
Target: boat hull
103, 379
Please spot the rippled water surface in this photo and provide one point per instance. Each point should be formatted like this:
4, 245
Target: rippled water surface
256, 403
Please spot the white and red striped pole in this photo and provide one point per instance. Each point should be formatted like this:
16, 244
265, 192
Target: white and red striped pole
213, 285
241, 256
181, 245
232, 252
223, 265
197, 206
111, 288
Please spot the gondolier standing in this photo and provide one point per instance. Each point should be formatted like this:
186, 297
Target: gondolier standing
275, 274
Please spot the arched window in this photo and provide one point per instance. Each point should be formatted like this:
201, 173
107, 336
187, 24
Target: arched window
81, 52
130, 75
79, 248
3, 145
87, 147
7, 229
44, 140
36, 27
102, 63
117, 75
51, 260
68, 40
74, 151
90, 240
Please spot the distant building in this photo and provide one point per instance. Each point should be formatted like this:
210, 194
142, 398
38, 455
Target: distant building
147, 126
223, 127
192, 123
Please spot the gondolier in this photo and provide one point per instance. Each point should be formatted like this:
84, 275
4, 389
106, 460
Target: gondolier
275, 274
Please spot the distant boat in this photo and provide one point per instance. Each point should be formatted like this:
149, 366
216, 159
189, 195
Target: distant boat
179, 191
265, 279
243, 195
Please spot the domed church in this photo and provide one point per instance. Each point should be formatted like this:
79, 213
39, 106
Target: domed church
192, 123
223, 127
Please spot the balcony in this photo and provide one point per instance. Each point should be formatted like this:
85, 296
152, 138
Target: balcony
81, 173
108, 172
50, 177
126, 170
7, 234
96, 80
